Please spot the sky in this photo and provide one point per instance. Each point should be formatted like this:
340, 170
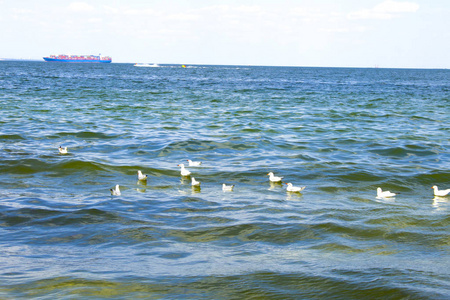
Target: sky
313, 33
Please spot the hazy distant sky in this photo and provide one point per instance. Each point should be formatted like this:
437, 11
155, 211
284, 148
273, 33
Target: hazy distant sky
335, 33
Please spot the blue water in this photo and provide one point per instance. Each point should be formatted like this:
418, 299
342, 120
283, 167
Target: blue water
340, 132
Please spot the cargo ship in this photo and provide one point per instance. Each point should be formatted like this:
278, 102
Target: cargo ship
78, 58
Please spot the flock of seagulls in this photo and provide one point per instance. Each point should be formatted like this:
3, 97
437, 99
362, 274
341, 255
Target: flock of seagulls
272, 178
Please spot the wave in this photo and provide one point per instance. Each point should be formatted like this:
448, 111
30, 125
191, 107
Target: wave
340, 132
404, 151
13, 137
33, 165
51, 217
194, 145
220, 162
86, 135
357, 284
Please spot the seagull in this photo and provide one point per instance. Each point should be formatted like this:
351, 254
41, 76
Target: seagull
227, 188
294, 189
195, 182
115, 191
194, 163
440, 193
62, 150
274, 178
385, 194
184, 172
141, 176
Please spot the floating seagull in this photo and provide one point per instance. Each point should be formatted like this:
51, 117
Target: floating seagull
115, 191
385, 194
440, 193
227, 188
194, 163
195, 182
184, 171
141, 176
274, 178
294, 189
62, 150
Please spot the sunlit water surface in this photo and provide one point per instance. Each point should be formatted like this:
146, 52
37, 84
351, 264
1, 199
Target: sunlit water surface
340, 132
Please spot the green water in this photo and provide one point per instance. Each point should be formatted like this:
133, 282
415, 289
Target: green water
340, 132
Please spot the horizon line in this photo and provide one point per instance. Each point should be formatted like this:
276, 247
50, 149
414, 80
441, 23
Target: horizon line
251, 65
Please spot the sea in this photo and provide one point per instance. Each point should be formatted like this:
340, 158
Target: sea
340, 132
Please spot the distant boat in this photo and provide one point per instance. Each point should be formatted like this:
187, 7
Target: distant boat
78, 58
146, 65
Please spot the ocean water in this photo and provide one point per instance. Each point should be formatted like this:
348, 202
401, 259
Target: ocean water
340, 132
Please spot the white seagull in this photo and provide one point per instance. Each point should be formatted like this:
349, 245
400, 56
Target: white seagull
294, 189
62, 150
115, 191
194, 163
195, 182
227, 188
440, 193
141, 176
184, 171
385, 194
274, 178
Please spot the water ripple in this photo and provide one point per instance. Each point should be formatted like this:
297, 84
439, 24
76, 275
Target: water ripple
340, 132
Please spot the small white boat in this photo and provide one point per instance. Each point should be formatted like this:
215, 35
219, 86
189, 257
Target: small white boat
146, 65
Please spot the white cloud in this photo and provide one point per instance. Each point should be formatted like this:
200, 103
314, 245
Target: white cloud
22, 11
368, 14
80, 7
182, 17
249, 9
345, 29
111, 10
95, 20
396, 7
140, 12
386, 10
